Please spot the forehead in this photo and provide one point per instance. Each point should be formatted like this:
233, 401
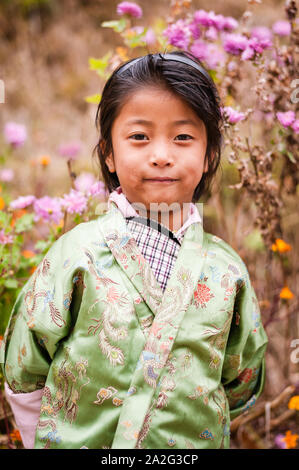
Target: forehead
156, 105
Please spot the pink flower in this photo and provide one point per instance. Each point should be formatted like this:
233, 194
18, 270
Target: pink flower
255, 46
279, 441
248, 54
5, 238
199, 49
295, 126
48, 209
15, 134
7, 174
232, 115
97, 189
281, 28
69, 150
215, 56
74, 202
150, 37
194, 29
219, 22
287, 118
261, 32
211, 33
234, 43
22, 202
202, 17
230, 23
129, 8
178, 34
84, 181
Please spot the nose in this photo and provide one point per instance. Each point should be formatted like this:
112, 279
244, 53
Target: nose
161, 155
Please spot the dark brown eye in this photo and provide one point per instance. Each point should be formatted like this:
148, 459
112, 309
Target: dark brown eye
138, 136
184, 137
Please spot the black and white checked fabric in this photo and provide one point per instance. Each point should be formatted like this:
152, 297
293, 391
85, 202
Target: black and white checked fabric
158, 245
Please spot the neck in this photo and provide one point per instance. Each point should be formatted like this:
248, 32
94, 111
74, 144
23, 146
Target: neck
172, 219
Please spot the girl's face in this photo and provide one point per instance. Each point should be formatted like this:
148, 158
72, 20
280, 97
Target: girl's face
156, 135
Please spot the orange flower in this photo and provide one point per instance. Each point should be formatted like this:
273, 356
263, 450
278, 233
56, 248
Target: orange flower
286, 293
123, 53
281, 246
44, 160
31, 270
1, 338
294, 403
2, 203
290, 439
28, 253
16, 215
15, 435
60, 225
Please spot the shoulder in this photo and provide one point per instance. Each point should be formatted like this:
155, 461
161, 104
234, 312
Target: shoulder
223, 253
72, 243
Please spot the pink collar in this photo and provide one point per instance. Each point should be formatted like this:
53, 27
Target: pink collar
128, 210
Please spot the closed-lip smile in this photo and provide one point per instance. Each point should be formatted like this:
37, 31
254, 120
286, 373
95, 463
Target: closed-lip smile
161, 178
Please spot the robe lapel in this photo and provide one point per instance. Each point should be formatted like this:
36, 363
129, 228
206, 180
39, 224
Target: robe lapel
167, 309
127, 254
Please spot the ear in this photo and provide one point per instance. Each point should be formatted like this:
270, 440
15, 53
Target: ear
206, 166
110, 163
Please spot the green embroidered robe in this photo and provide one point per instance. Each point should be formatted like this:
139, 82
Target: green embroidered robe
124, 365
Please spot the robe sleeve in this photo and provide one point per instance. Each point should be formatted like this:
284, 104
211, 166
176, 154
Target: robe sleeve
243, 372
41, 317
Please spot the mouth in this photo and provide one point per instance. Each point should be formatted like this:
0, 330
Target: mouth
161, 180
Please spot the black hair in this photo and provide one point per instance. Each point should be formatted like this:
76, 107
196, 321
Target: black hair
197, 89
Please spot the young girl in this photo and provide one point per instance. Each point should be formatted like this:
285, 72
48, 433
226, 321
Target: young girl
139, 329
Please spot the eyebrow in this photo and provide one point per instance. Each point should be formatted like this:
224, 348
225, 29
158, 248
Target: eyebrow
150, 123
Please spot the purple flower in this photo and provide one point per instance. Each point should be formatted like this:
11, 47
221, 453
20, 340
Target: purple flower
48, 209
230, 23
232, 115
255, 46
281, 28
295, 126
4, 239
69, 150
84, 181
211, 33
199, 49
129, 8
214, 56
7, 174
261, 32
202, 17
97, 189
279, 441
15, 134
22, 202
150, 37
219, 22
248, 54
74, 202
234, 43
194, 29
178, 34
287, 118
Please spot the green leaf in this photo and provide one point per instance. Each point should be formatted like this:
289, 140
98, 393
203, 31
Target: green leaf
254, 241
4, 219
117, 26
291, 156
100, 65
24, 223
93, 99
11, 283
